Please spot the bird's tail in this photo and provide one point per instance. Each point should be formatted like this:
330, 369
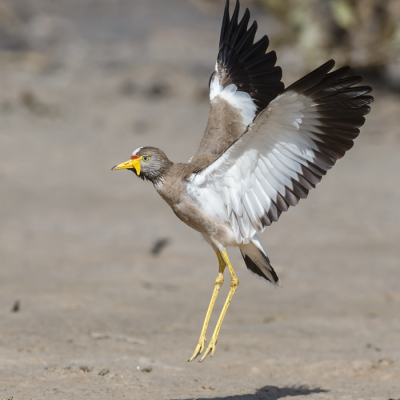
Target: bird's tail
258, 262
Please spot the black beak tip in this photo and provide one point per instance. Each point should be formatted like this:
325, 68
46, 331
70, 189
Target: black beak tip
112, 169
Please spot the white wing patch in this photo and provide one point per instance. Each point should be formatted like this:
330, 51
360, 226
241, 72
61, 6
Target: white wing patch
236, 98
241, 101
215, 86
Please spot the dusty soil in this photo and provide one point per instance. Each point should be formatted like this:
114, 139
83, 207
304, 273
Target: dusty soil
99, 316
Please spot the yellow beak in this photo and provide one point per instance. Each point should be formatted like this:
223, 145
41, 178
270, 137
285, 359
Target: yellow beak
135, 163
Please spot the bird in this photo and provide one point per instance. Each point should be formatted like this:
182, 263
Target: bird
264, 148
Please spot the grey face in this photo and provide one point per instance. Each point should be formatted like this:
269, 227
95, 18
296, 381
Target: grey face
153, 163
148, 163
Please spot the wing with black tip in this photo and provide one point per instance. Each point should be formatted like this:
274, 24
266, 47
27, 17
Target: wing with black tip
287, 150
244, 82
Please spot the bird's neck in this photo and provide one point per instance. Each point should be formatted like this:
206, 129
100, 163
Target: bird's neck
162, 173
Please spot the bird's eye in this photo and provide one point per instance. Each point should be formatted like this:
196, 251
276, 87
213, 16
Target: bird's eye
145, 158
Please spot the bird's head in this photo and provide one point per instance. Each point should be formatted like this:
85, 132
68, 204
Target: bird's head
147, 162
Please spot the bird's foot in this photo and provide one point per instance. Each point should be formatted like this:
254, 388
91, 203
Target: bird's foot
199, 348
210, 349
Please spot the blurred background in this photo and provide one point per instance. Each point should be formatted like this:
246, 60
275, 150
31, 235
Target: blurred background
99, 281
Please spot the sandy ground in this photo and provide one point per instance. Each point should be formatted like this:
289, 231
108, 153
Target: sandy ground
99, 316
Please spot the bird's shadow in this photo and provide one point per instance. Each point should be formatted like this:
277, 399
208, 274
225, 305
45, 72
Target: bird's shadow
269, 393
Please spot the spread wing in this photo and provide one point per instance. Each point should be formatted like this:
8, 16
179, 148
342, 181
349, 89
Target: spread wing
287, 149
244, 82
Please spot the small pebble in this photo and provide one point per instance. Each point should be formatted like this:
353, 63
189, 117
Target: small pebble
16, 306
104, 371
158, 246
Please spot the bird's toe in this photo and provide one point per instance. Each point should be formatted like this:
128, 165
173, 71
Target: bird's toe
210, 349
199, 348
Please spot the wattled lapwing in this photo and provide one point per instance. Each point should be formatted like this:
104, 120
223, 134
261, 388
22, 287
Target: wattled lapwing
263, 149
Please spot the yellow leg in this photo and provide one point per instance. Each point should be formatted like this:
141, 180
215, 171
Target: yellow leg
232, 290
217, 286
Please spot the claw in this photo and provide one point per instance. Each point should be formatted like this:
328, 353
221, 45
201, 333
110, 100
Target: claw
199, 348
210, 349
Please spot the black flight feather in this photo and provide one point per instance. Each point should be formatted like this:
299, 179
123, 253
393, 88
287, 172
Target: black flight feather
244, 63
